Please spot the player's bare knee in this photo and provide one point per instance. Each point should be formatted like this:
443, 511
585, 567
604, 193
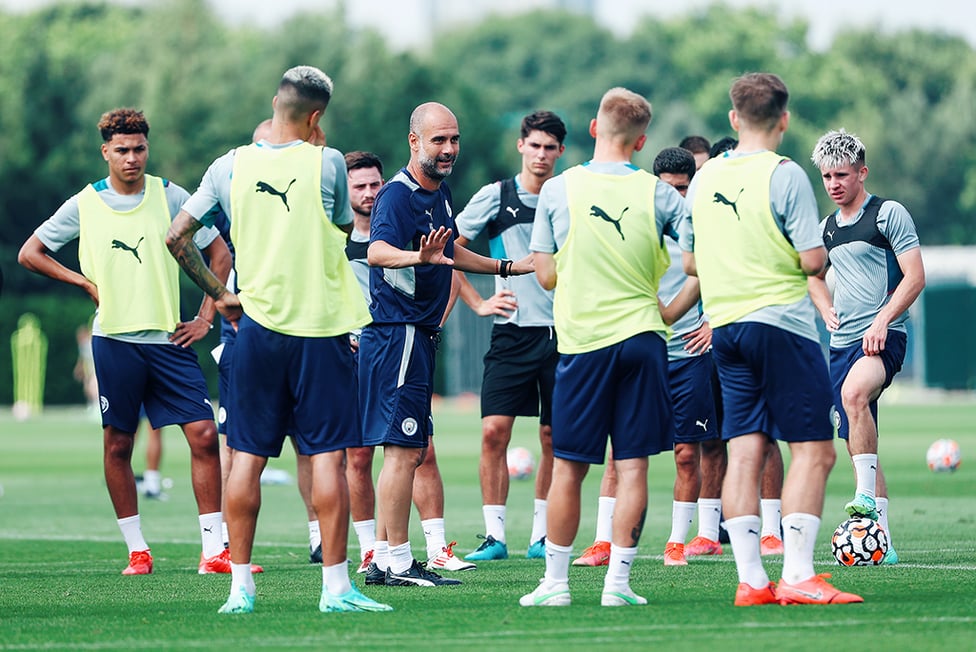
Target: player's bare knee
495, 437
855, 399
359, 460
822, 457
119, 446
686, 458
202, 437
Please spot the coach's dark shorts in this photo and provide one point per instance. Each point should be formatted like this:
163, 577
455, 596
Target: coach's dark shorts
396, 381
691, 394
841, 361
297, 385
621, 391
520, 371
773, 382
165, 378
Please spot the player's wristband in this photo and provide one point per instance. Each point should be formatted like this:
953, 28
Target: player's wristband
504, 268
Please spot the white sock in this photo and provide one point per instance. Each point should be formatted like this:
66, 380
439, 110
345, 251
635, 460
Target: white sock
152, 482
314, 535
709, 515
799, 538
241, 577
434, 535
744, 537
771, 510
131, 527
223, 533
366, 533
335, 578
882, 504
494, 521
538, 520
210, 535
865, 472
381, 554
618, 570
557, 562
604, 518
401, 558
681, 516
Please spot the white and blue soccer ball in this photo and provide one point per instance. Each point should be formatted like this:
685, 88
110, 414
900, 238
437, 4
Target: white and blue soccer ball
943, 456
521, 463
859, 542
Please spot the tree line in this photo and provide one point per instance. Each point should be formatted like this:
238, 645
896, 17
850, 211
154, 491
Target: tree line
204, 85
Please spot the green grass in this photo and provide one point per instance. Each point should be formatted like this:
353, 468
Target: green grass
61, 555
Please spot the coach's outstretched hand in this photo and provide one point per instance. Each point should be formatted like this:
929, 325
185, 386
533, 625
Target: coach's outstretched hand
432, 247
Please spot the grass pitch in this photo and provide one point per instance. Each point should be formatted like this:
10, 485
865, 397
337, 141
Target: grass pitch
61, 555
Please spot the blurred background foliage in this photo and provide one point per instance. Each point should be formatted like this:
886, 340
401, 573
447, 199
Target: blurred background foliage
204, 85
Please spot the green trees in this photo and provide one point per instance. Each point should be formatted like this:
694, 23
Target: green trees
204, 86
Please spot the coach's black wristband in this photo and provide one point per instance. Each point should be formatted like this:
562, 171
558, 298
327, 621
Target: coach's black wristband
505, 268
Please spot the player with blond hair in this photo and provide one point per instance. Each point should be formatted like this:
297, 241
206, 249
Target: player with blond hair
598, 240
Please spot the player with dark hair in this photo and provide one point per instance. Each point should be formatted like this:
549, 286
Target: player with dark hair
678, 164
699, 147
754, 243
873, 248
141, 349
699, 453
520, 365
722, 145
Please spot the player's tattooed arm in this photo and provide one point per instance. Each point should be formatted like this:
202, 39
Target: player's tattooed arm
181, 246
179, 240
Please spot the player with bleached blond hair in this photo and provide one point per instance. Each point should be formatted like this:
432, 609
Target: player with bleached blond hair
873, 247
298, 300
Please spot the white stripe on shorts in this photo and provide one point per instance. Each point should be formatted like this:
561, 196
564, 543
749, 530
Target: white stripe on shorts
405, 354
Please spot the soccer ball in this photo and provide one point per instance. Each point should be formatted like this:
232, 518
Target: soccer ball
943, 455
859, 542
521, 463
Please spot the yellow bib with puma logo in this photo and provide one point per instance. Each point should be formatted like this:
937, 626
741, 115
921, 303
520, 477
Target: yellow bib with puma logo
292, 272
744, 260
124, 254
611, 263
